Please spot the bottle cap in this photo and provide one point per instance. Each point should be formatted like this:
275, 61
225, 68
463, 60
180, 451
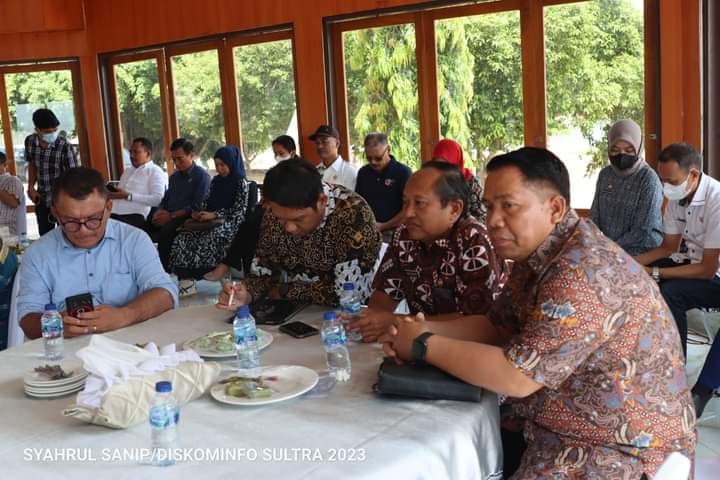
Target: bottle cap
163, 387
243, 311
348, 286
50, 306
329, 315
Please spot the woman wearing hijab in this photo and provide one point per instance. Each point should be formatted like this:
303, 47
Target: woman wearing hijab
449, 151
628, 196
196, 252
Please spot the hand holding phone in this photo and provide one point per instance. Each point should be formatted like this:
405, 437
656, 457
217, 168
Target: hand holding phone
298, 329
78, 304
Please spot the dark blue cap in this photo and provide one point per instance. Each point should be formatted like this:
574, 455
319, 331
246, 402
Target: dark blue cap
348, 286
50, 306
163, 387
329, 315
243, 311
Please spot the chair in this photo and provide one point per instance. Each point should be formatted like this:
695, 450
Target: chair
675, 467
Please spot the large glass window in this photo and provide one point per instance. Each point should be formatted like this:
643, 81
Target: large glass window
382, 89
480, 83
595, 76
139, 106
198, 103
265, 82
28, 91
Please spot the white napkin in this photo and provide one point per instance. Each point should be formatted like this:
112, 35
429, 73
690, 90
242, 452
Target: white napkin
111, 362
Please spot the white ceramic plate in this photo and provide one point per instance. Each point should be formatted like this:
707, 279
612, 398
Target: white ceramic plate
292, 381
264, 341
61, 388
35, 379
54, 394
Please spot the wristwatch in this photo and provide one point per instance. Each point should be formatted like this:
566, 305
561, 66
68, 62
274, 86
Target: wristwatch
419, 347
656, 274
129, 197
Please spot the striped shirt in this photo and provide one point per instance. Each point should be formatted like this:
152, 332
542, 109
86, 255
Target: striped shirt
8, 215
50, 162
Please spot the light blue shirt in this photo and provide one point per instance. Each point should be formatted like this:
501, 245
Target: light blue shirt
124, 265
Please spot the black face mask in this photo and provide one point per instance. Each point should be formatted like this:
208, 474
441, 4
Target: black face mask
623, 161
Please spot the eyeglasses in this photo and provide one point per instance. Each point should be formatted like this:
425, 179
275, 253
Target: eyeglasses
377, 159
92, 223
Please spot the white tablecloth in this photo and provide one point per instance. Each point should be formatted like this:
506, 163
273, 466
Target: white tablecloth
388, 439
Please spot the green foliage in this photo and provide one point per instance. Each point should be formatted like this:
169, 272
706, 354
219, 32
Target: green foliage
266, 93
381, 74
595, 69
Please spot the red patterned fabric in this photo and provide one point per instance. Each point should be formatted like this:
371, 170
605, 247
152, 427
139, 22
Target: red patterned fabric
590, 325
458, 273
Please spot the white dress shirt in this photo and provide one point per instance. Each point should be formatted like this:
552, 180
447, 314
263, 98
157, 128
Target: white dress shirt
698, 223
341, 173
146, 183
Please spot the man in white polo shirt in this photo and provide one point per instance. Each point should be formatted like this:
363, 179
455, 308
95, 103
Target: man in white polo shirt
141, 186
686, 263
334, 169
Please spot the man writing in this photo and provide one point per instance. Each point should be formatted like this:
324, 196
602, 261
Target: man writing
314, 237
113, 262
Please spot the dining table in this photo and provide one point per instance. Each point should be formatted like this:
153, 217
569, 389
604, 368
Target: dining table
345, 432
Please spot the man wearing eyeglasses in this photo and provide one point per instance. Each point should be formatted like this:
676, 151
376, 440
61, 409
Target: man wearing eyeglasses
113, 262
381, 183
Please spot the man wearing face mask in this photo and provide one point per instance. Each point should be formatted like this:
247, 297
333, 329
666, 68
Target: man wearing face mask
686, 265
628, 195
48, 155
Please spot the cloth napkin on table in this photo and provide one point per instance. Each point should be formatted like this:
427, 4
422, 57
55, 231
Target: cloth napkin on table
111, 362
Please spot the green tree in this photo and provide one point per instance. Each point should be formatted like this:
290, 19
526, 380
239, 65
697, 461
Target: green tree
381, 76
266, 93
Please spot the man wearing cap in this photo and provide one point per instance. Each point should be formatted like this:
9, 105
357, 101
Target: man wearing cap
628, 195
333, 168
48, 155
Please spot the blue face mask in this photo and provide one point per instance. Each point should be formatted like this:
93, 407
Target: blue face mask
49, 137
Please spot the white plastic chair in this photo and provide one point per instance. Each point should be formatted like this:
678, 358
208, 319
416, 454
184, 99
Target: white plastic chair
675, 467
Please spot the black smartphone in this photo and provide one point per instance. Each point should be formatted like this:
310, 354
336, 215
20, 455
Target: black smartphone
299, 329
79, 304
111, 187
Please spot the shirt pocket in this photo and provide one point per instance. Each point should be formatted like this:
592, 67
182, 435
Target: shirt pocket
119, 288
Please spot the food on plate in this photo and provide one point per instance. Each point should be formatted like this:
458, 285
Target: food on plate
248, 387
53, 372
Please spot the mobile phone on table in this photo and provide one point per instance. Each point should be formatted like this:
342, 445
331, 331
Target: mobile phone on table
298, 329
78, 304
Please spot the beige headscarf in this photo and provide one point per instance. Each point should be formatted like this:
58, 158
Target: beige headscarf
630, 132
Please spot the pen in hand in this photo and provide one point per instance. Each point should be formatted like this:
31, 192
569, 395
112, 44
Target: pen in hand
232, 294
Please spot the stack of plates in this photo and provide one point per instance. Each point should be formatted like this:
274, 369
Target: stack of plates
39, 386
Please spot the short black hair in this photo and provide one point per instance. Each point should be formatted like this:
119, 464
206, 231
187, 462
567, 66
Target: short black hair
538, 166
375, 139
44, 118
146, 143
285, 141
450, 185
79, 183
293, 184
3, 158
183, 143
683, 153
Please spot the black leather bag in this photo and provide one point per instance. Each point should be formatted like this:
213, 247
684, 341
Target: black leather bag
423, 381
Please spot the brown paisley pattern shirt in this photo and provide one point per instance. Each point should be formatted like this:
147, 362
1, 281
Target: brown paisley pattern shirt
591, 326
458, 273
475, 206
344, 248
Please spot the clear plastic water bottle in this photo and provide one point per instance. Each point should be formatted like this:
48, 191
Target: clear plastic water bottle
164, 418
350, 306
246, 347
335, 343
51, 325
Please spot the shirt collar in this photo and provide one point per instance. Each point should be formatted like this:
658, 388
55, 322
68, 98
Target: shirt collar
337, 165
700, 193
330, 206
554, 242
